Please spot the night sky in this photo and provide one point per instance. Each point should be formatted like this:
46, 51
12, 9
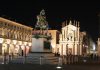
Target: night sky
25, 12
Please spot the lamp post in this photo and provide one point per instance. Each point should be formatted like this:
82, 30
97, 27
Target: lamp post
9, 55
4, 55
25, 52
3, 50
14, 42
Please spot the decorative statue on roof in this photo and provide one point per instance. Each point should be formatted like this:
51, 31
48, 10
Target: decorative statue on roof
41, 21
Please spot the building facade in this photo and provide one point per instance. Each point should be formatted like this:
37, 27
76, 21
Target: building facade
70, 41
48, 37
98, 47
14, 37
98, 42
55, 40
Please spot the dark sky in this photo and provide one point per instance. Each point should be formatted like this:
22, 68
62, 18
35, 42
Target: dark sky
25, 12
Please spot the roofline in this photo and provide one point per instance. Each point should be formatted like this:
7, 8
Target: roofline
14, 23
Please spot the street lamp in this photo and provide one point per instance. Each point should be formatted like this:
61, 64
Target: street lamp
4, 56
3, 50
14, 42
25, 52
8, 42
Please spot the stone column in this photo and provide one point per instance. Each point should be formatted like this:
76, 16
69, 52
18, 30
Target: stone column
62, 50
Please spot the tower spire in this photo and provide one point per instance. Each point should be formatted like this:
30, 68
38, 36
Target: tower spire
70, 22
78, 23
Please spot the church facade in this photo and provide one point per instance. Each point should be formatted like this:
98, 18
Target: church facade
71, 38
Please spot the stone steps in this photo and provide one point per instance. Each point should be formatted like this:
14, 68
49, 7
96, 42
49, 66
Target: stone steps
34, 58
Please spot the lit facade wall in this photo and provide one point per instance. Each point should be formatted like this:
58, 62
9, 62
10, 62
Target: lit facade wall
14, 37
83, 45
38, 44
54, 40
70, 41
98, 48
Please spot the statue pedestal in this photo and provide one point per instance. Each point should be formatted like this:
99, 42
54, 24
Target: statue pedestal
37, 45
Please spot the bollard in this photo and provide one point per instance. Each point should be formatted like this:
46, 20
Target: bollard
9, 58
59, 66
40, 60
60, 61
4, 58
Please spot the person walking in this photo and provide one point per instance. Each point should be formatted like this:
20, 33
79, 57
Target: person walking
22, 52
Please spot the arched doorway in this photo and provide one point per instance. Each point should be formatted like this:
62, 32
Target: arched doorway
5, 48
11, 49
17, 50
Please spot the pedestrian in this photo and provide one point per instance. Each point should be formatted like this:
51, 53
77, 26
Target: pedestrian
22, 52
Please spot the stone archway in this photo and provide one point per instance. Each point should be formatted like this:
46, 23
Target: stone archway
16, 49
5, 48
11, 49
20, 50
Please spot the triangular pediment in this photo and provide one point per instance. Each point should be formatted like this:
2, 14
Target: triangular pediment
72, 27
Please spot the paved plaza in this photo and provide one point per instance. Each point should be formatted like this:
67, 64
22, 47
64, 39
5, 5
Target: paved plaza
48, 62
49, 67
33, 58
